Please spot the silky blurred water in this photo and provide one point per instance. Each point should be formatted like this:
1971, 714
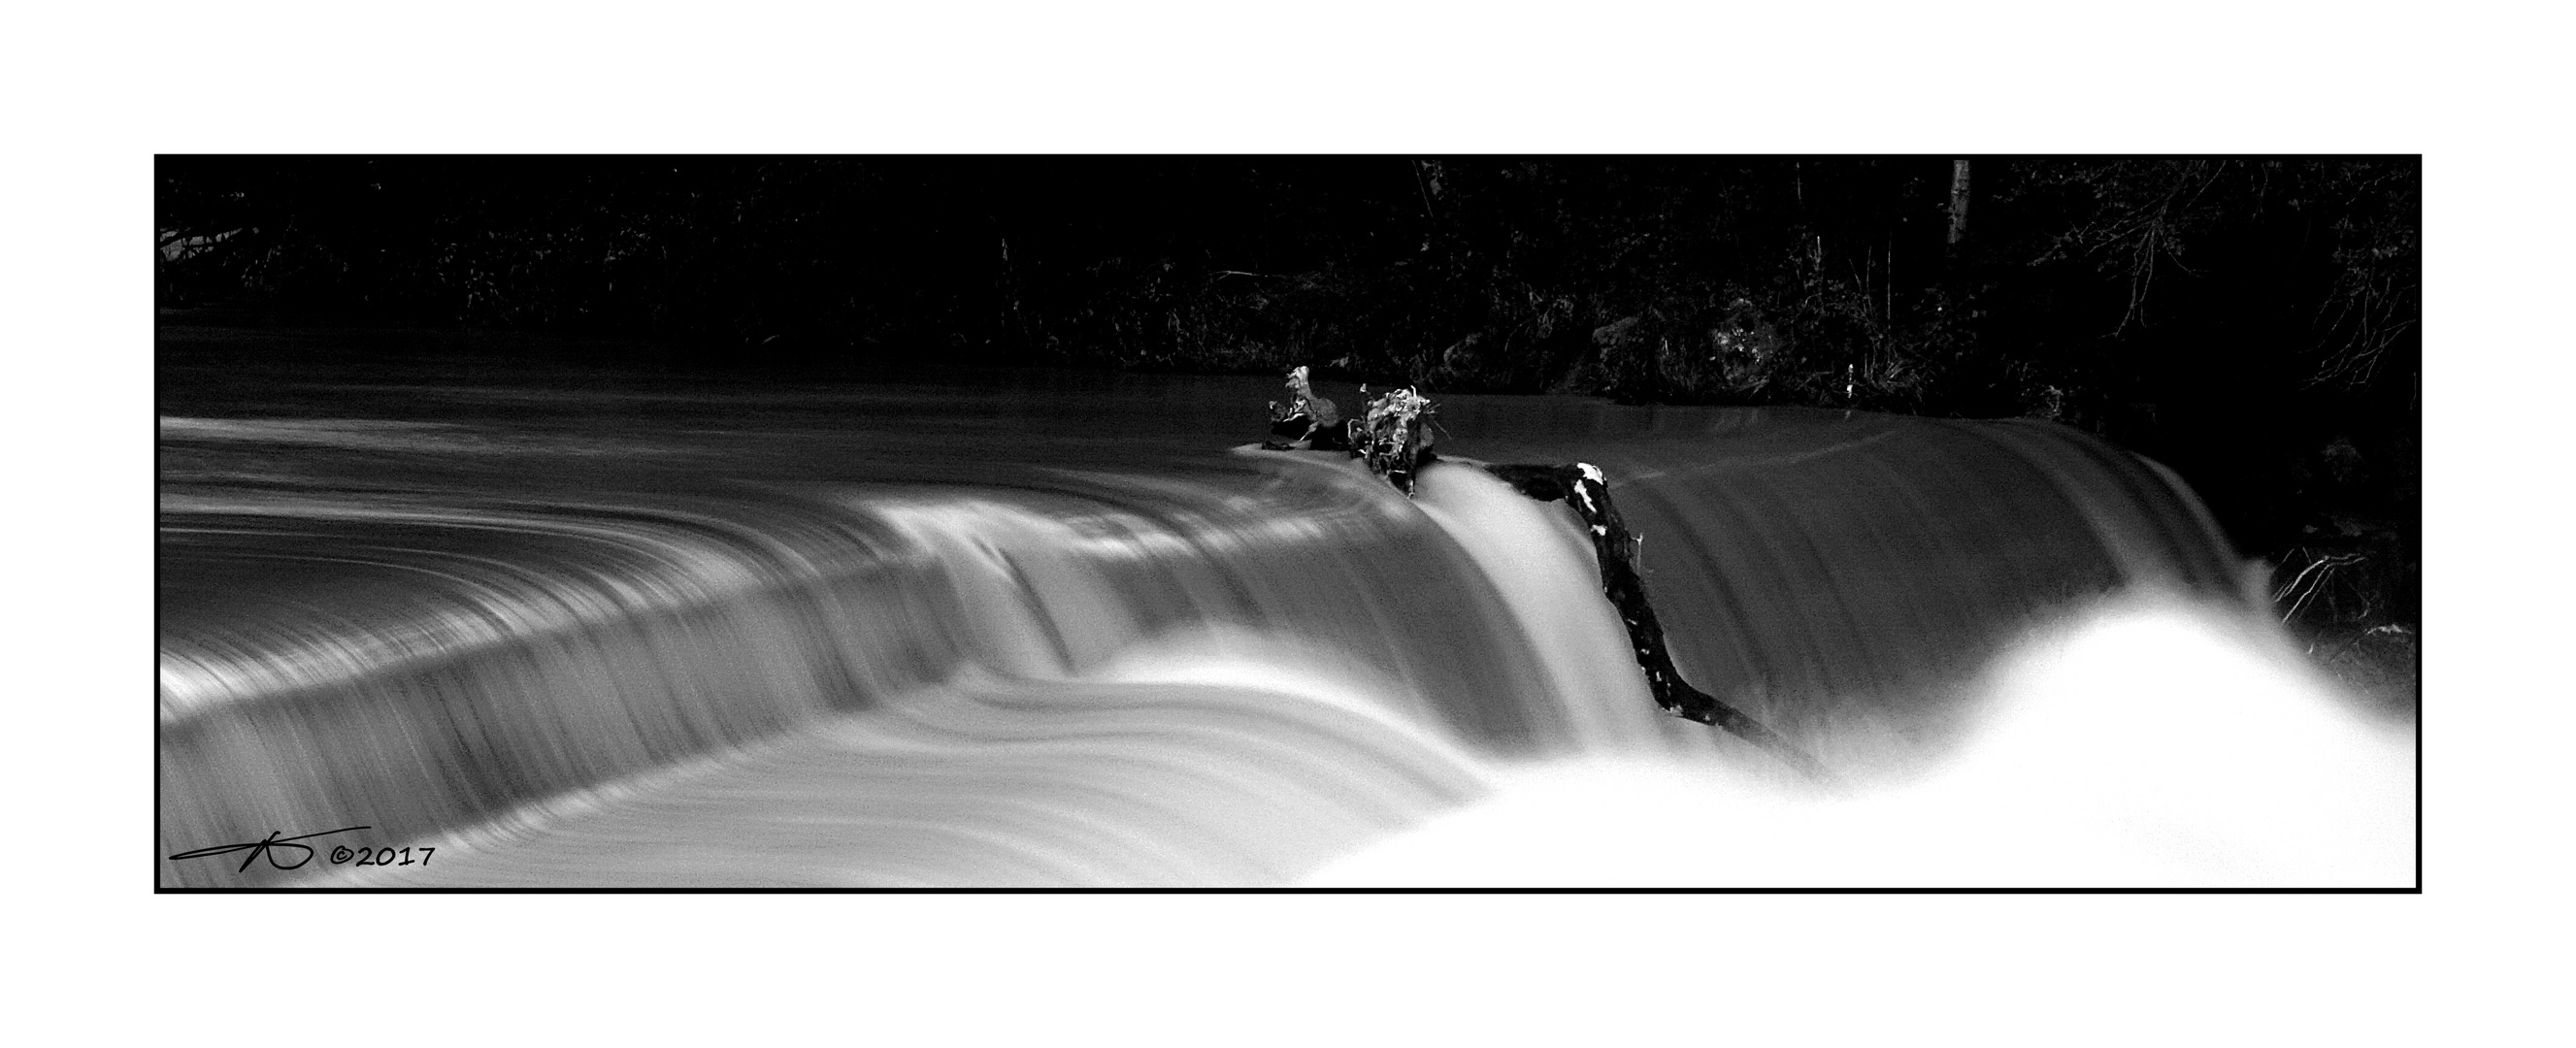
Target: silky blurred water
576, 627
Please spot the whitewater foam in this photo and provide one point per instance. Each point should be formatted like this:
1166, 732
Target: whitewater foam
2151, 744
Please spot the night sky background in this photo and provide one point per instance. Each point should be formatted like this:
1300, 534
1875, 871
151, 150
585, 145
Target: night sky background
2250, 321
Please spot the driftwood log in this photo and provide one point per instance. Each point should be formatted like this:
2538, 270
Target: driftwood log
1582, 486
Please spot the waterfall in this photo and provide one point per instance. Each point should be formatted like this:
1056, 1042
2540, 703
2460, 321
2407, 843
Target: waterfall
931, 636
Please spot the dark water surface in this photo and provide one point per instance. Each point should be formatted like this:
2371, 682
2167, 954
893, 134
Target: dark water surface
580, 627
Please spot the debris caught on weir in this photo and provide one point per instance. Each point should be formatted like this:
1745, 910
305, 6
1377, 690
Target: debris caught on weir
1394, 434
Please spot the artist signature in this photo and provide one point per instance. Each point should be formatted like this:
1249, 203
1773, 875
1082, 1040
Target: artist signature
271, 845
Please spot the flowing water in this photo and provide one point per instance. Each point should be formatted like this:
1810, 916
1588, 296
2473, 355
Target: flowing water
576, 627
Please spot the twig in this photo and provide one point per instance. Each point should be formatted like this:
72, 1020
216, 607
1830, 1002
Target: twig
2328, 564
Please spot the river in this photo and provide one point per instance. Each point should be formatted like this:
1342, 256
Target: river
554, 625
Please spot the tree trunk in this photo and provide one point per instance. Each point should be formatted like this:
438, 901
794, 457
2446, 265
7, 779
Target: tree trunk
1958, 201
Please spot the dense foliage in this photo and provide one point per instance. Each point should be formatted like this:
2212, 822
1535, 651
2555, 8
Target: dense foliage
2250, 321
